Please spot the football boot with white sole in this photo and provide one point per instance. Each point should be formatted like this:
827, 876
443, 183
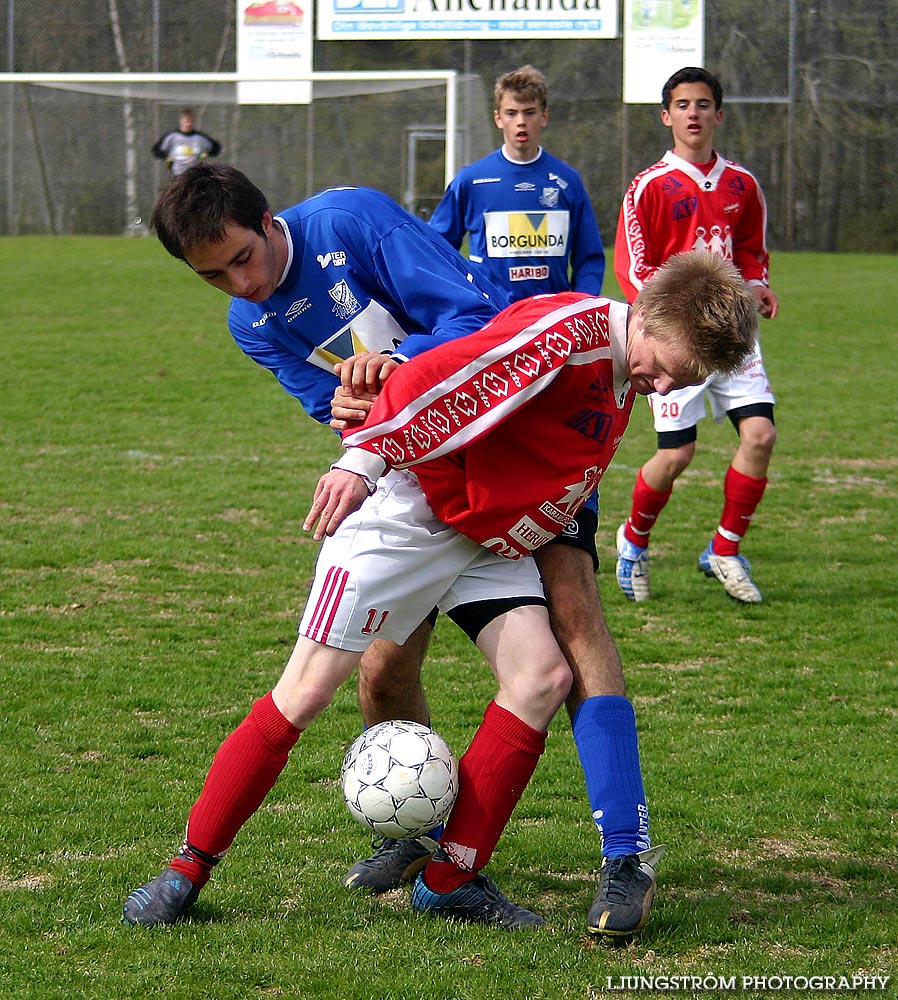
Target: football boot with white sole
632, 568
734, 572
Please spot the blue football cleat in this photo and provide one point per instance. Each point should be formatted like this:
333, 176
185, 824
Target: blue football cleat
478, 901
632, 568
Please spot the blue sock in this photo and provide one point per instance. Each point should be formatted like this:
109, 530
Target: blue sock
605, 734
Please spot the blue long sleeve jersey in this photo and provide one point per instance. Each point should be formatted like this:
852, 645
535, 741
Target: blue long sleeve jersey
362, 274
528, 224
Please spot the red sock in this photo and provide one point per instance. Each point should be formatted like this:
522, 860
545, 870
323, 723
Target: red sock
741, 496
243, 772
647, 504
493, 774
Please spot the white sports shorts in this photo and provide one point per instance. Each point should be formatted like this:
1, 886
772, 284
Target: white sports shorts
683, 408
392, 561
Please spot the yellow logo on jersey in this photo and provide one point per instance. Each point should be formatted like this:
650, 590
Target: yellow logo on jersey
373, 329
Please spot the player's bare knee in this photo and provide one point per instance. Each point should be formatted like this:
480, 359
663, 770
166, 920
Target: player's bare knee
303, 706
536, 698
562, 679
553, 686
387, 666
676, 460
756, 441
764, 437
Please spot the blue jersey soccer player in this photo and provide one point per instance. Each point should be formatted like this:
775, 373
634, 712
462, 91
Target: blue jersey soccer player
347, 273
530, 224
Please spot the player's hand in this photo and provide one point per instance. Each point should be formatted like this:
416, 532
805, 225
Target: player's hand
768, 304
337, 495
348, 411
365, 372
361, 378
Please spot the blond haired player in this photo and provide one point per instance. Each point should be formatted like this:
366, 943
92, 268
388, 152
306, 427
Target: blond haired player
531, 228
470, 459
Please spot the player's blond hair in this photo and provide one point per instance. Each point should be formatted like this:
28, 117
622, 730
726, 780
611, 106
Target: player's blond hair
527, 82
700, 303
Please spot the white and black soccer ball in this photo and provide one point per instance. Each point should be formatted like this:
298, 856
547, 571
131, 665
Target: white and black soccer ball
400, 779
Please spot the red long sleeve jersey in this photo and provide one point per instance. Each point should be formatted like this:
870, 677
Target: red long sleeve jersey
511, 428
675, 206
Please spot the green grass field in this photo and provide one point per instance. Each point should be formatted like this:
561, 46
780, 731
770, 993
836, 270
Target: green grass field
152, 566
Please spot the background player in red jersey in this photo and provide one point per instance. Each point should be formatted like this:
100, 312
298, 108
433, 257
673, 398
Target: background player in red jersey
456, 535
693, 198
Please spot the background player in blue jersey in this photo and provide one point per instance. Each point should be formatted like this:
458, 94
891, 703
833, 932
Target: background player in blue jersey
346, 276
532, 229
530, 224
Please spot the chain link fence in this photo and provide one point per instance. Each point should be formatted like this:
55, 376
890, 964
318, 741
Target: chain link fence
810, 99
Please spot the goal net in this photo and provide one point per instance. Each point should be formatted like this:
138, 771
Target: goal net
78, 159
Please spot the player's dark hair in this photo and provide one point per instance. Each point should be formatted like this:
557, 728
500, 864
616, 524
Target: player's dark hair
692, 74
198, 205
527, 81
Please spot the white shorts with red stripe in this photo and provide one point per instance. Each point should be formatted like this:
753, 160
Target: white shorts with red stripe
392, 561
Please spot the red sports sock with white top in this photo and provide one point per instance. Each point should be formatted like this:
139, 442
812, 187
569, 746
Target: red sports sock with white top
741, 496
493, 773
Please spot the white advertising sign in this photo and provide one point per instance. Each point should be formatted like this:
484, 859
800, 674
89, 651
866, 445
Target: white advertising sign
660, 37
274, 40
477, 19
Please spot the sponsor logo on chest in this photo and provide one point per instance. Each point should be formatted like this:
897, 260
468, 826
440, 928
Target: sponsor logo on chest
539, 272
526, 234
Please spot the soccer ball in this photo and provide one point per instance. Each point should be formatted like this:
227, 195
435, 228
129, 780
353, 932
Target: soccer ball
399, 779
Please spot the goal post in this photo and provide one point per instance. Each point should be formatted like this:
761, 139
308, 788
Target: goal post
78, 146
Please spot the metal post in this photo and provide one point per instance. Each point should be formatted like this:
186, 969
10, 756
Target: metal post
155, 36
790, 132
451, 112
466, 151
10, 112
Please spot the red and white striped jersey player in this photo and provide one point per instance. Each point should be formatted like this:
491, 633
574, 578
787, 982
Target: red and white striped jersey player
694, 198
474, 453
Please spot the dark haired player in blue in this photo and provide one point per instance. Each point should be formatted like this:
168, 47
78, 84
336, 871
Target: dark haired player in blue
350, 276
